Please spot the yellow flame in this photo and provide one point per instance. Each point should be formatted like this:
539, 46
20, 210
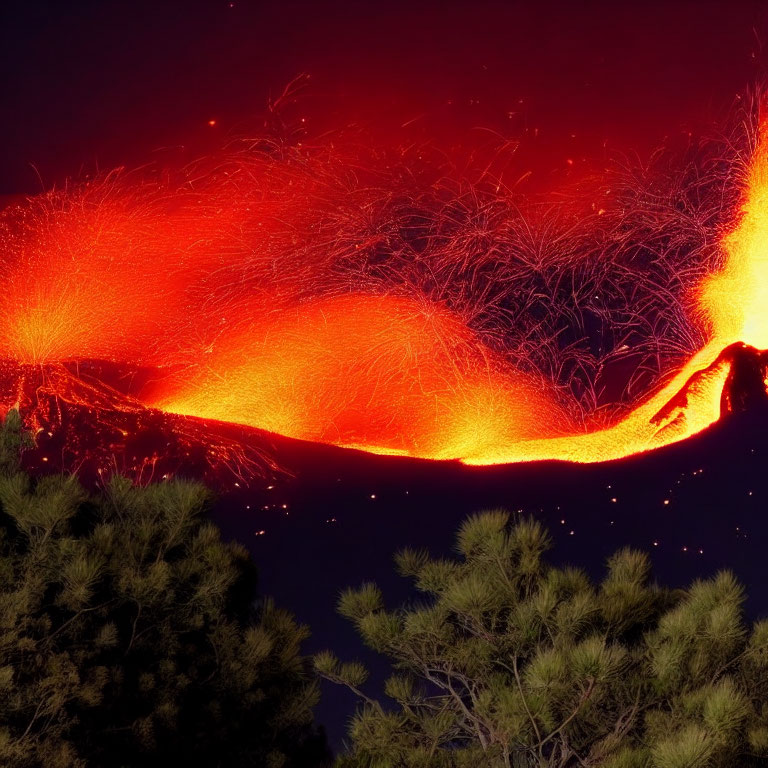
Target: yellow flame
734, 301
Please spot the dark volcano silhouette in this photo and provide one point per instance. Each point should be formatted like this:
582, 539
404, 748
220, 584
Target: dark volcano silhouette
744, 388
88, 417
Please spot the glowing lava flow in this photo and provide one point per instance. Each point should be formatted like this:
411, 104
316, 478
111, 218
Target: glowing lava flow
236, 291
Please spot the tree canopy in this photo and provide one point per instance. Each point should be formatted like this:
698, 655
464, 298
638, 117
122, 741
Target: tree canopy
506, 660
131, 635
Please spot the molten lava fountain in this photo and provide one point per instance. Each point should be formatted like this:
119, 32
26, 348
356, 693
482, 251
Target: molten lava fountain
389, 377
144, 278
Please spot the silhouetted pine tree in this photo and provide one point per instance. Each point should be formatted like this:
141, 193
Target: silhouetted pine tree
130, 634
507, 661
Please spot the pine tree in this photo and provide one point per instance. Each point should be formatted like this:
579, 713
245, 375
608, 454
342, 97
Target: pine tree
506, 661
130, 634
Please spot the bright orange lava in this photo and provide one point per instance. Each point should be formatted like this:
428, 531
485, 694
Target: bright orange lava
149, 279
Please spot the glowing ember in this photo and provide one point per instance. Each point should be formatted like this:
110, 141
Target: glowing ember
376, 310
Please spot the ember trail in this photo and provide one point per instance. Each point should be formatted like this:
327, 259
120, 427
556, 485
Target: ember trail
394, 310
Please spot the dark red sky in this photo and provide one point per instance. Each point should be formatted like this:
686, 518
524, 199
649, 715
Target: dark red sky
107, 82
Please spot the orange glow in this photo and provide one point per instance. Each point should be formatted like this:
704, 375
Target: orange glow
229, 287
120, 270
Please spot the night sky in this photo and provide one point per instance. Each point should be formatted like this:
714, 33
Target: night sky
93, 85
103, 83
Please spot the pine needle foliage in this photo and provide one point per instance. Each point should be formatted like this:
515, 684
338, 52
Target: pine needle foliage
131, 635
504, 661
